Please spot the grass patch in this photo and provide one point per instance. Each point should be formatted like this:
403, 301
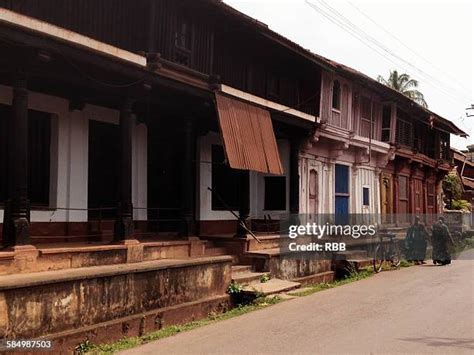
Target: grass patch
362, 274
127, 343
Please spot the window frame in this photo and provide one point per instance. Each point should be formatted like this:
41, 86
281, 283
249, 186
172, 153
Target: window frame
370, 121
336, 109
364, 189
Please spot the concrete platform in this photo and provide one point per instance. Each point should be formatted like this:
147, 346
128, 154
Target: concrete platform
105, 303
272, 287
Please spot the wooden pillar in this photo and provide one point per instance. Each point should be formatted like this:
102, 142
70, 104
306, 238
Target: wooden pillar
244, 208
294, 181
17, 211
123, 229
188, 225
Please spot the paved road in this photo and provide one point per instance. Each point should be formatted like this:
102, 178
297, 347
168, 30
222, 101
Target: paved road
422, 309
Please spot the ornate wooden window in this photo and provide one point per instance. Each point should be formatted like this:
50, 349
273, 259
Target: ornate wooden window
404, 133
183, 41
444, 146
367, 118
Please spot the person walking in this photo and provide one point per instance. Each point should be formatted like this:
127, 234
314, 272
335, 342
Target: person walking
442, 241
415, 242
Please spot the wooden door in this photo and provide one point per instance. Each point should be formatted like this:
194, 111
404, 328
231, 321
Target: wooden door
403, 199
341, 193
386, 201
418, 196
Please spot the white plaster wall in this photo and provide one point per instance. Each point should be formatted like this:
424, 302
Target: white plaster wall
69, 157
257, 182
366, 177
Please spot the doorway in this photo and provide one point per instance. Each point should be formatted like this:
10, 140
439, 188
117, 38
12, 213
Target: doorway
341, 194
103, 173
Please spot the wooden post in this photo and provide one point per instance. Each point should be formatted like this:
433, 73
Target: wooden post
188, 224
294, 181
244, 208
17, 211
123, 229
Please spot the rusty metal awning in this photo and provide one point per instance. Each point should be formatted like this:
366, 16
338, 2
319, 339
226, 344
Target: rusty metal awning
248, 136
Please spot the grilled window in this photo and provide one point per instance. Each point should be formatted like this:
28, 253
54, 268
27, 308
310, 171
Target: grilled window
444, 146
183, 39
404, 133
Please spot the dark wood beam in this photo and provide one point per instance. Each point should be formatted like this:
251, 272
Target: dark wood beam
189, 178
17, 212
123, 229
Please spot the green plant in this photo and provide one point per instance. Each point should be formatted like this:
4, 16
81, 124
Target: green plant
265, 278
234, 288
405, 85
83, 347
463, 205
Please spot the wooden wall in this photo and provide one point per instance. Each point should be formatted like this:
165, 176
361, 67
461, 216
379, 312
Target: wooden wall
216, 43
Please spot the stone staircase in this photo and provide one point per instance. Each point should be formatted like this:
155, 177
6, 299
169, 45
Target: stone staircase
252, 281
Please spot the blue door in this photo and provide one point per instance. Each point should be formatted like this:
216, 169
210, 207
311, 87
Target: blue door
341, 194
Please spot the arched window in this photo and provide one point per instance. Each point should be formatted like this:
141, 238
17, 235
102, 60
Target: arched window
336, 95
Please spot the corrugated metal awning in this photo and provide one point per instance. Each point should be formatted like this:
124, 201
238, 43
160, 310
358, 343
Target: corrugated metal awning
249, 140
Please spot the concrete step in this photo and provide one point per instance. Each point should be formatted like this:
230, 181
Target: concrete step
247, 277
271, 287
351, 254
241, 268
215, 251
360, 263
322, 277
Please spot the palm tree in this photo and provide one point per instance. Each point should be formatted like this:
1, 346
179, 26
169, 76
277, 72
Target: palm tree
404, 84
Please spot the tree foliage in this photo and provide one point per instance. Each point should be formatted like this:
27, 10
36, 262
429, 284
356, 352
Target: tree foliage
405, 84
452, 188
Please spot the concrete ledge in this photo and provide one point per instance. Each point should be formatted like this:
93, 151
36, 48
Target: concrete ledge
140, 324
48, 277
48, 303
79, 249
322, 277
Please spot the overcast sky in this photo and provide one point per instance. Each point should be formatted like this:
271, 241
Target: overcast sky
436, 37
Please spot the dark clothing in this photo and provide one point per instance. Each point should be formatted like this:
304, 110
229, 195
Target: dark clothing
415, 242
441, 242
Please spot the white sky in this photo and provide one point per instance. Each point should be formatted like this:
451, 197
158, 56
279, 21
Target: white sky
441, 32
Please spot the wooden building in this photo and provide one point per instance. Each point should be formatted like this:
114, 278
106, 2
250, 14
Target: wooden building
375, 152
370, 149
146, 130
161, 135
